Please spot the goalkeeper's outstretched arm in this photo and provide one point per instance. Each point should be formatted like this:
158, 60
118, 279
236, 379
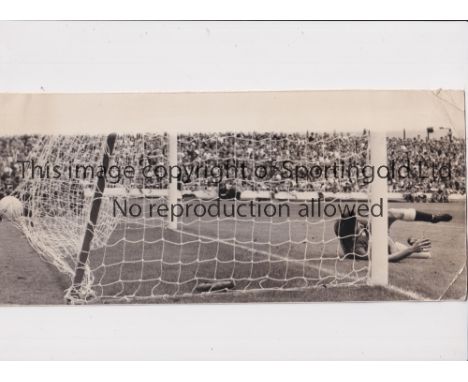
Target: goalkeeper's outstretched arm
421, 245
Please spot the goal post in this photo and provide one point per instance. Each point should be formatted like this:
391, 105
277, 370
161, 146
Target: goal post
378, 224
172, 188
82, 260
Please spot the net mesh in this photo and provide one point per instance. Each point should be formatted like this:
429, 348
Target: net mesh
239, 224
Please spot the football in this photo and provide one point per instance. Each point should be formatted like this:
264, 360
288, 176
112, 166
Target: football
11, 208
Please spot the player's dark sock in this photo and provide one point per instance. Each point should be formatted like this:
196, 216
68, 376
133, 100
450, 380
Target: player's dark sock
425, 217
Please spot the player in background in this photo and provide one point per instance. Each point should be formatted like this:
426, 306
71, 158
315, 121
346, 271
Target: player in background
228, 191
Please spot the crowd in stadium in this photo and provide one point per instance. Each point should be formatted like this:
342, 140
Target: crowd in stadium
269, 148
446, 150
12, 150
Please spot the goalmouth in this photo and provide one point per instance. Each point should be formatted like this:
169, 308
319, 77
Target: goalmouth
135, 259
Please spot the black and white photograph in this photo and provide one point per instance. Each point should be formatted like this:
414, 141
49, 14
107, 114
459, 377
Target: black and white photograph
226, 186
241, 204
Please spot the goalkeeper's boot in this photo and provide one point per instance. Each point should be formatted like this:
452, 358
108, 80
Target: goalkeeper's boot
441, 218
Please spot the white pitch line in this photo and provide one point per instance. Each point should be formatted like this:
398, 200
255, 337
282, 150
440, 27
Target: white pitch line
452, 282
408, 293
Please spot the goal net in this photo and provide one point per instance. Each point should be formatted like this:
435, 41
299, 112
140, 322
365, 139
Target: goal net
141, 217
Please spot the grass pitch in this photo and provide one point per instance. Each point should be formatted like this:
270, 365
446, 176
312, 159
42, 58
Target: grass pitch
137, 262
